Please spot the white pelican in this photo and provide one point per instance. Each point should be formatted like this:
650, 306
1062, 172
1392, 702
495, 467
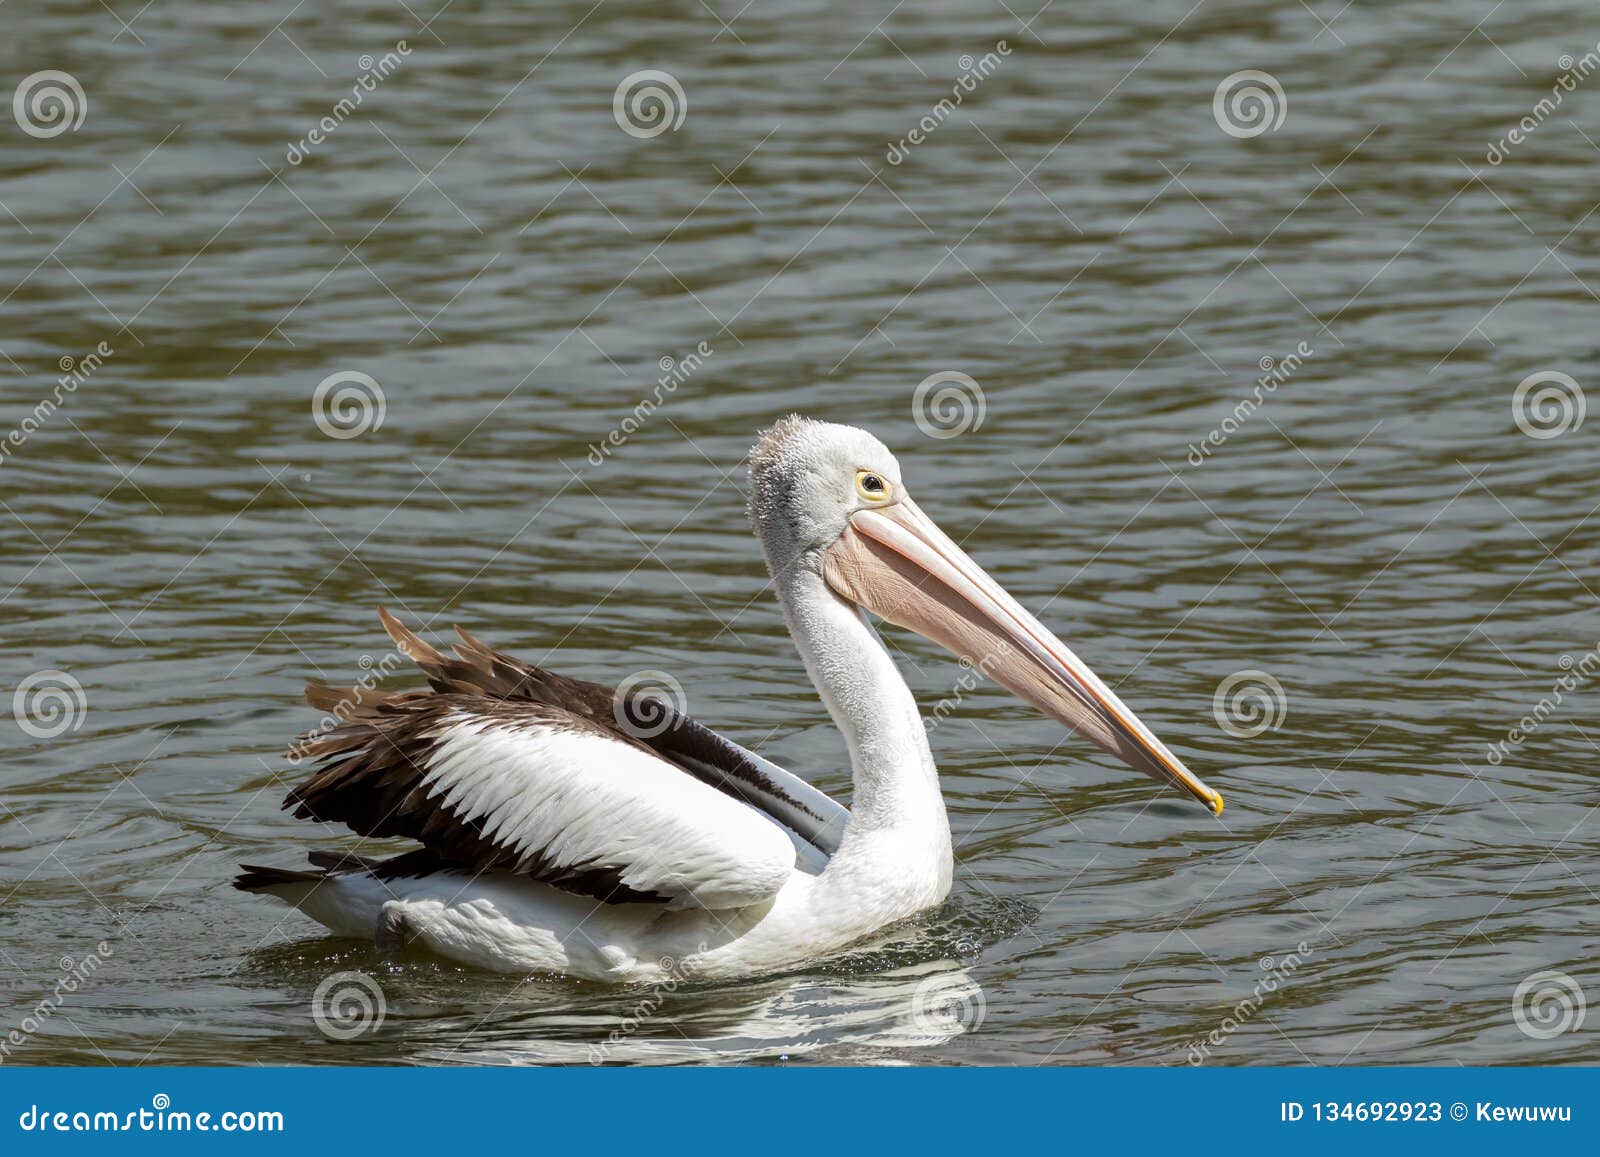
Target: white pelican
570, 829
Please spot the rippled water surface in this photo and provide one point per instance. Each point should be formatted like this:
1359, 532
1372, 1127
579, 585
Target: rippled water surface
1394, 551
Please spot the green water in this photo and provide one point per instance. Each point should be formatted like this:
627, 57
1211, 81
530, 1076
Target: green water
1378, 537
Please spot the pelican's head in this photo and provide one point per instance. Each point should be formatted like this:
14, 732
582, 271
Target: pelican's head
831, 499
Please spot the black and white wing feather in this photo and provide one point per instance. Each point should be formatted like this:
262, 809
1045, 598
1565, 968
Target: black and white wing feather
503, 766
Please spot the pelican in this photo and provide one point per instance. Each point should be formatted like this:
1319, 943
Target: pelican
573, 829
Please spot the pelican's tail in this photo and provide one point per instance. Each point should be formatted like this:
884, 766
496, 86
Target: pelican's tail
288, 885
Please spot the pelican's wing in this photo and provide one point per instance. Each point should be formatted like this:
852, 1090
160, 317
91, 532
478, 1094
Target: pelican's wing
814, 816
505, 766
477, 668
498, 785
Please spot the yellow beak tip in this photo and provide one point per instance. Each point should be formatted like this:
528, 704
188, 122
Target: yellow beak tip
1216, 804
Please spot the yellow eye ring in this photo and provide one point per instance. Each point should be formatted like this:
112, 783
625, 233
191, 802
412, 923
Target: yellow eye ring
872, 486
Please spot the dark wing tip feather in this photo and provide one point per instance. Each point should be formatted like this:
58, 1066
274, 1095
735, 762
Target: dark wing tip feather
342, 861
409, 642
256, 878
321, 696
472, 641
344, 700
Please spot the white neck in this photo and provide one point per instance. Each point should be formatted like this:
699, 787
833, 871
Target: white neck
897, 812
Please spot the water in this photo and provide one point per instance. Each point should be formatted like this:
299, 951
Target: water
1080, 237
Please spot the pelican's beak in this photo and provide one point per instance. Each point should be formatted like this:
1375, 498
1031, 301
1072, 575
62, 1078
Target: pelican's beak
896, 563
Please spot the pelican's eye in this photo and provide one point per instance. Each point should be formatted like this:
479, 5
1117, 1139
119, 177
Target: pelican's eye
871, 486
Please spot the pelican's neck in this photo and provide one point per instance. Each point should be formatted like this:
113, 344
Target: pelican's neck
896, 785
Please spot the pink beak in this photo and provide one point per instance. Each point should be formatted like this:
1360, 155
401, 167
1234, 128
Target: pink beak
896, 563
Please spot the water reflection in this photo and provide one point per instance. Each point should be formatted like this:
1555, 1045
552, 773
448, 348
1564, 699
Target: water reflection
882, 1015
